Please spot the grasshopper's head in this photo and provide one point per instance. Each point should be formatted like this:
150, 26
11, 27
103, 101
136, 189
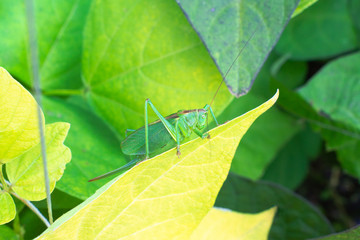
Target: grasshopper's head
202, 116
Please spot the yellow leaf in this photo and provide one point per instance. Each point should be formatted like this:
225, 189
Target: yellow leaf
222, 223
303, 4
165, 197
7, 207
26, 173
18, 119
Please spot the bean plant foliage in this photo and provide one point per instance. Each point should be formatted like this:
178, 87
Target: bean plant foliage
100, 60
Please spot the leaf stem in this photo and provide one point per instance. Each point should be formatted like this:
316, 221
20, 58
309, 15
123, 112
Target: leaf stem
32, 208
30, 15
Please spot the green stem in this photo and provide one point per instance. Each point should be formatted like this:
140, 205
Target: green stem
33, 47
2, 179
32, 208
64, 92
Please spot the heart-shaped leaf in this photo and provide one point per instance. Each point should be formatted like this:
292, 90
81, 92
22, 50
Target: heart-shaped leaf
148, 44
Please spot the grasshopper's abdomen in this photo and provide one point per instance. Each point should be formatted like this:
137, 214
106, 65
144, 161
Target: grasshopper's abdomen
159, 140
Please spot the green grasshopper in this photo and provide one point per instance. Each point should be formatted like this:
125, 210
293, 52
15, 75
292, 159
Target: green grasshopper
167, 132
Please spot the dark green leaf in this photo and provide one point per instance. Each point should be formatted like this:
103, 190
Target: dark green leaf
290, 166
225, 26
7, 233
334, 91
295, 218
351, 234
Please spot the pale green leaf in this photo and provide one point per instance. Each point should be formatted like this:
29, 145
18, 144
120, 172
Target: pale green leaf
135, 50
26, 173
180, 191
7, 209
225, 224
19, 127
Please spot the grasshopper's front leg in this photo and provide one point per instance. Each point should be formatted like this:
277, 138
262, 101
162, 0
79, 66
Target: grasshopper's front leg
169, 127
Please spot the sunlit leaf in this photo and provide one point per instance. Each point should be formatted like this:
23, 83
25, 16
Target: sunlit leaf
7, 209
19, 127
134, 50
180, 191
303, 4
224, 224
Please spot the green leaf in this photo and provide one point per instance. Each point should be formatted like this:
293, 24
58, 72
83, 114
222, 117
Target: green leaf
323, 31
295, 218
26, 173
290, 166
351, 234
94, 147
336, 134
334, 91
226, 224
7, 233
7, 209
180, 191
59, 32
19, 128
135, 50
225, 26
303, 4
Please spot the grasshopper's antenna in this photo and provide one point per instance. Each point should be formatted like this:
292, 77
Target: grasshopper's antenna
232, 64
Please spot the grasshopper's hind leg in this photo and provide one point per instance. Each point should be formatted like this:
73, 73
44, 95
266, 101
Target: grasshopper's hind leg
169, 127
177, 131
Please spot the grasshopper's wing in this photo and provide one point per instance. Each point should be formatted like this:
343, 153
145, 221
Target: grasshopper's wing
159, 140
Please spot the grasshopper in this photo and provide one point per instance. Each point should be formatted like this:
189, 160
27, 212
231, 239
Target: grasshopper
167, 132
